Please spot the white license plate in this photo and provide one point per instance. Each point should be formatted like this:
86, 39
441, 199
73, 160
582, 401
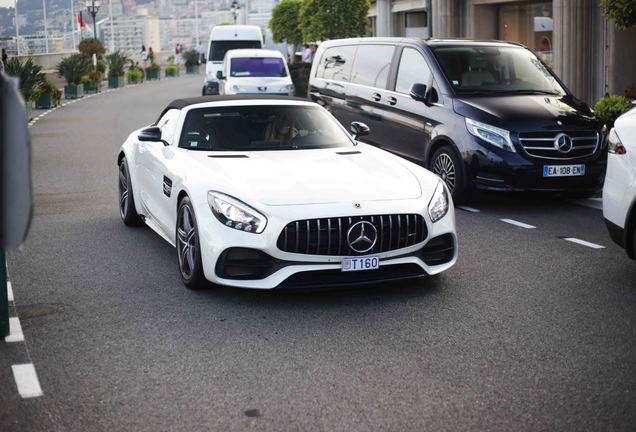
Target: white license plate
563, 170
370, 262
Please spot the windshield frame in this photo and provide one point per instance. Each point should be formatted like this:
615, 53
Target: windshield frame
348, 141
248, 44
457, 92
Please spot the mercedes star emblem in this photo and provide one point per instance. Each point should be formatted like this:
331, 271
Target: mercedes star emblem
362, 236
563, 143
357, 205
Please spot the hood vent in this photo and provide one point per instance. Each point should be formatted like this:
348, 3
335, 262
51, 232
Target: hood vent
230, 156
344, 153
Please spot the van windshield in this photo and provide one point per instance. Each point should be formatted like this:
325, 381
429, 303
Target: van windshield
219, 48
257, 67
495, 70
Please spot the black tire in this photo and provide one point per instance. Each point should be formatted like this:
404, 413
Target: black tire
188, 250
449, 168
127, 209
203, 93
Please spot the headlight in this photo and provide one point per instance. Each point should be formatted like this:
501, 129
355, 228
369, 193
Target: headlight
491, 134
438, 207
614, 143
236, 89
289, 88
236, 214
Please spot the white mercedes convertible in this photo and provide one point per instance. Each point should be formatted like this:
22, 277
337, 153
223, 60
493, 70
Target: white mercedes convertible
272, 192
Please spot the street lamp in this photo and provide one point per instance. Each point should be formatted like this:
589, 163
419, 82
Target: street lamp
235, 10
93, 8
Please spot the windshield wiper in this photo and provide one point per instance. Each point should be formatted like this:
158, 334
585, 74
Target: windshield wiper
531, 92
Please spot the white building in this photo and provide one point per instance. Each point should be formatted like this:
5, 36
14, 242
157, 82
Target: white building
129, 33
399, 18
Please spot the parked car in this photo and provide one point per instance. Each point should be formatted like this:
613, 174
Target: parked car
619, 191
255, 71
222, 39
479, 114
266, 192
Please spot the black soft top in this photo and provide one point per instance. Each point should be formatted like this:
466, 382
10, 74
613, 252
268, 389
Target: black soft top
182, 103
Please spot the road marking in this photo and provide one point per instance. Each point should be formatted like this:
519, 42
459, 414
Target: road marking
468, 209
27, 380
517, 223
9, 291
583, 242
15, 331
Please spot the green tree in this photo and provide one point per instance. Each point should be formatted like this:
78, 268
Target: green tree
285, 22
622, 12
333, 19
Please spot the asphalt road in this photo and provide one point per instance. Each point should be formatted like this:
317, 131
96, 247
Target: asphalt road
527, 332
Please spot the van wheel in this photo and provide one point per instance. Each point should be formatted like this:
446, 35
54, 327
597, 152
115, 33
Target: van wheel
447, 166
203, 91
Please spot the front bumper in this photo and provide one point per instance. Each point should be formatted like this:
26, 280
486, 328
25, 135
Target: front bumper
492, 168
234, 258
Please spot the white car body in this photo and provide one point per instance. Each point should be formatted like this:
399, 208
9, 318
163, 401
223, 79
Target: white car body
246, 84
619, 191
285, 186
239, 36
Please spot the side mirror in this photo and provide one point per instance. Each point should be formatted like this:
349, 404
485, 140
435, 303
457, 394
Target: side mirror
419, 93
219, 75
152, 134
359, 129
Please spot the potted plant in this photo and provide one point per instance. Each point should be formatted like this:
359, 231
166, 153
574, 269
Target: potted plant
116, 65
153, 72
92, 82
48, 95
608, 108
171, 70
72, 68
135, 74
191, 59
30, 77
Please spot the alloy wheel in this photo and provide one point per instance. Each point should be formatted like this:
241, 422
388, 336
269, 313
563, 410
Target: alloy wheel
186, 241
445, 169
123, 190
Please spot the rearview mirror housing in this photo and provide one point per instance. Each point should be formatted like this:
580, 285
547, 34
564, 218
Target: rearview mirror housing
152, 133
359, 129
219, 75
418, 92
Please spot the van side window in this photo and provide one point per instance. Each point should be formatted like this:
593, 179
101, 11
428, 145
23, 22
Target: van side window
372, 65
412, 69
336, 63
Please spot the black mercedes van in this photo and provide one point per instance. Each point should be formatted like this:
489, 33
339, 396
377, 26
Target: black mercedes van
480, 114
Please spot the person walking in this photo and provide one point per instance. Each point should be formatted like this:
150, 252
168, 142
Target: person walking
3, 60
151, 55
305, 55
144, 57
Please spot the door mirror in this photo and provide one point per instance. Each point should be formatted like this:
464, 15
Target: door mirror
219, 75
359, 129
419, 93
150, 134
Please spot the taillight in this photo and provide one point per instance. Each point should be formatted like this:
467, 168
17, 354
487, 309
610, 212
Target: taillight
615, 146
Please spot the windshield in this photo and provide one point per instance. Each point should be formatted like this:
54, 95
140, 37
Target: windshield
257, 67
258, 128
219, 48
494, 70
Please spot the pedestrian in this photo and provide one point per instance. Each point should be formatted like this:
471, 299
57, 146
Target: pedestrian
177, 54
305, 55
313, 48
144, 56
3, 60
151, 55
199, 49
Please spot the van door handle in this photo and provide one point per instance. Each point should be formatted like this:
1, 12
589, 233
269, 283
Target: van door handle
376, 97
391, 100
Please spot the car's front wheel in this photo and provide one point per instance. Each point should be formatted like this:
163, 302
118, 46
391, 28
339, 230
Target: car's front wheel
446, 165
126, 199
188, 247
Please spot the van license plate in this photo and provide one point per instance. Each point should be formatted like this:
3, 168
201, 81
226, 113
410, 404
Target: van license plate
563, 170
370, 262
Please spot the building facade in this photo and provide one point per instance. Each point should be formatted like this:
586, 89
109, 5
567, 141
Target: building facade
590, 55
129, 33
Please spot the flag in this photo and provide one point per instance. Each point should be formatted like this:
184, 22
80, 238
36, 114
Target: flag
80, 20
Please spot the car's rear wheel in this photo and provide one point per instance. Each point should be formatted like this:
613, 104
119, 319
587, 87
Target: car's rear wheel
446, 165
126, 199
188, 247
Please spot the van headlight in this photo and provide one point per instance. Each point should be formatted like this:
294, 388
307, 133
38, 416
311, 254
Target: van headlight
491, 134
236, 214
289, 88
438, 207
237, 89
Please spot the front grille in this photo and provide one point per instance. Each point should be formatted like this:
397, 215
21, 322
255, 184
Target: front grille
328, 236
541, 144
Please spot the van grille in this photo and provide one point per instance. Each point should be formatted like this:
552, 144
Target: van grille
541, 144
328, 236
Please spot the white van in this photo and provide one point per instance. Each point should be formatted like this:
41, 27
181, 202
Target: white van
222, 39
255, 71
